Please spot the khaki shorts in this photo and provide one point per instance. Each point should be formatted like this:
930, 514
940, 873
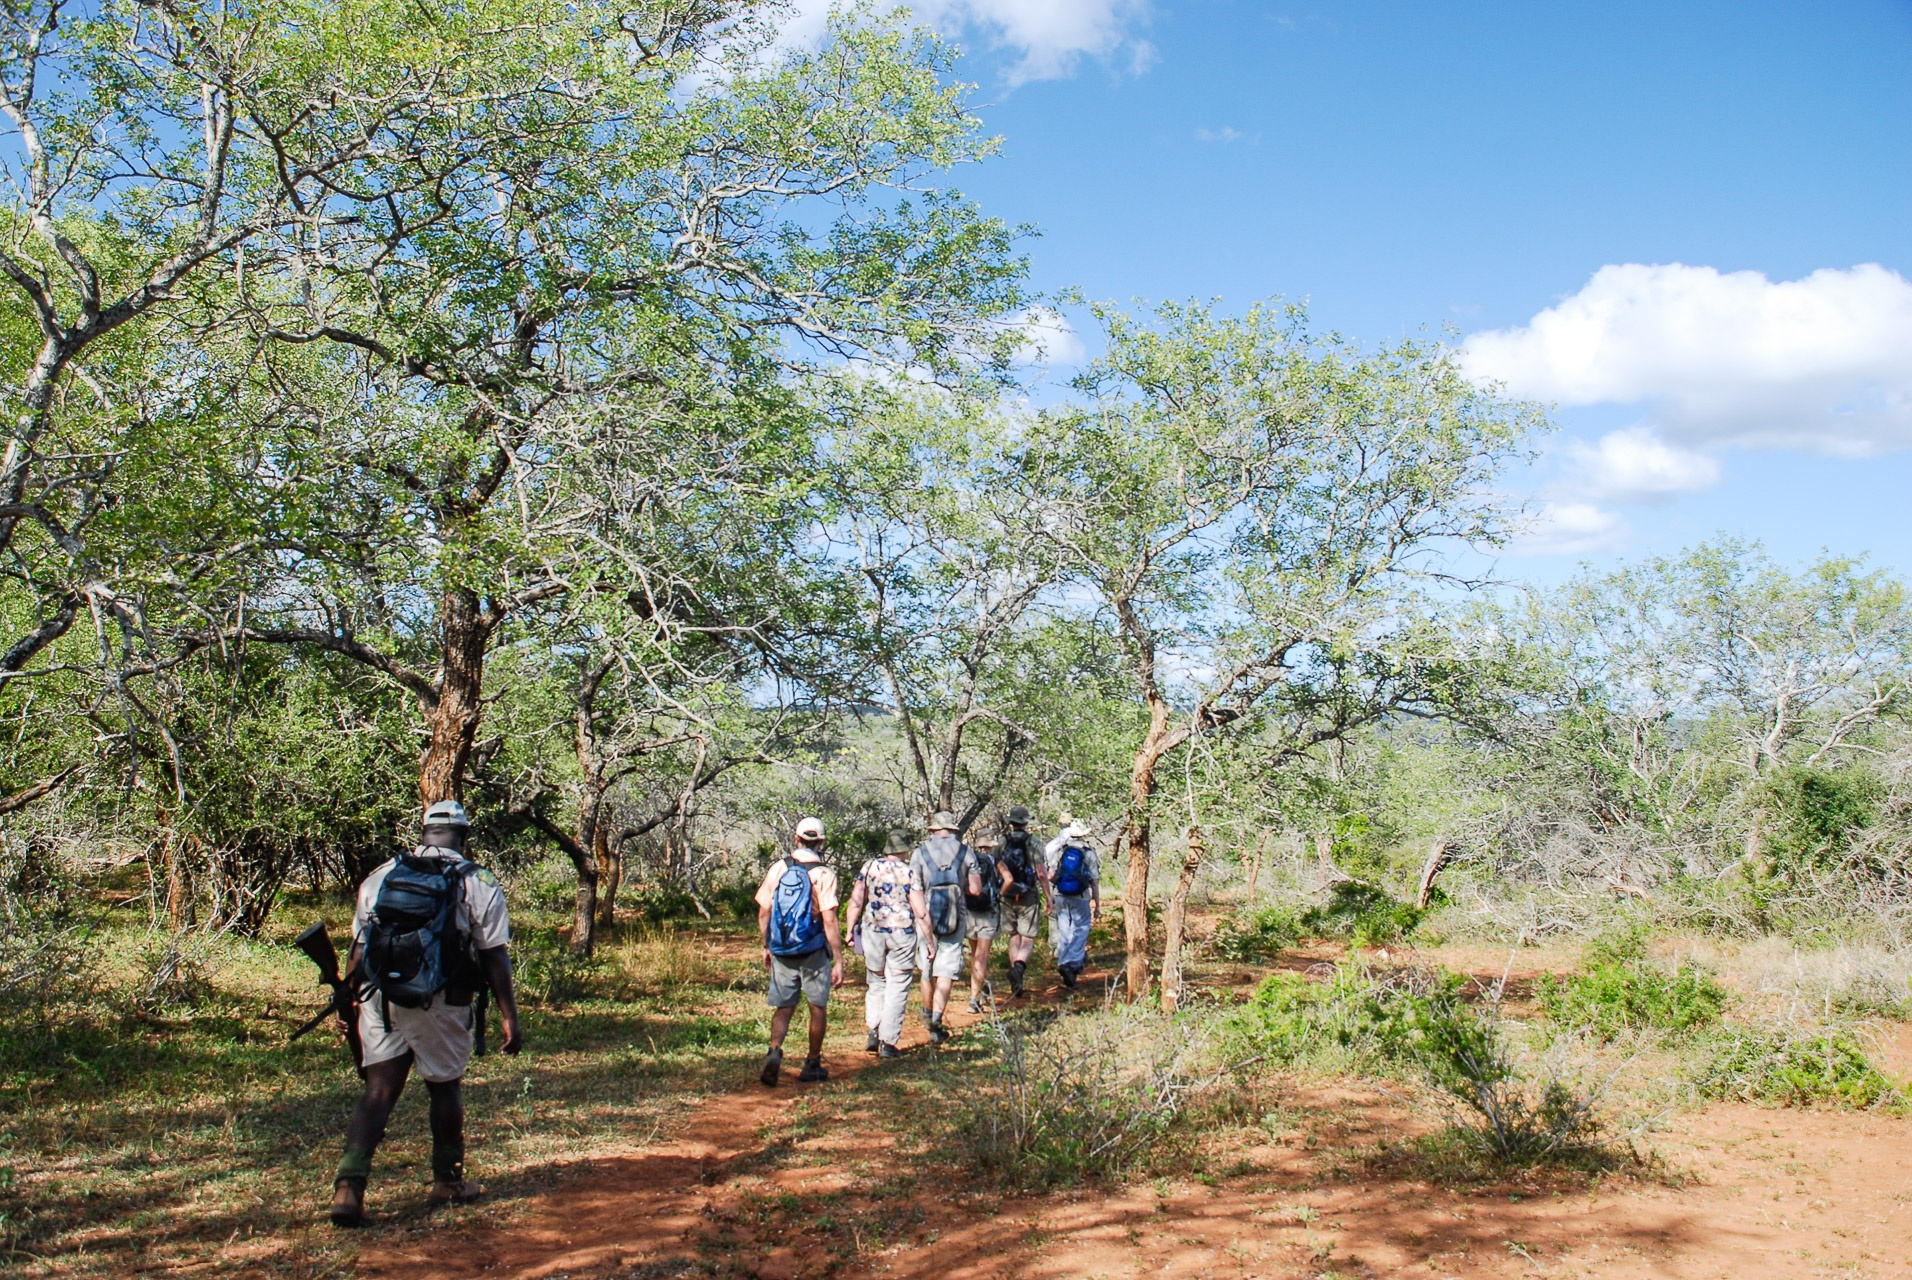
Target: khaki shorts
808, 976
948, 961
438, 1037
1023, 919
982, 924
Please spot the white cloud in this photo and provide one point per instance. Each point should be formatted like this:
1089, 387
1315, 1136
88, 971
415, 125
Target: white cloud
1050, 340
1635, 465
1822, 364
1052, 36
1571, 529
1226, 134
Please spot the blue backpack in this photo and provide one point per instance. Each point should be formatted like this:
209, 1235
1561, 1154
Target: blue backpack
796, 927
1069, 878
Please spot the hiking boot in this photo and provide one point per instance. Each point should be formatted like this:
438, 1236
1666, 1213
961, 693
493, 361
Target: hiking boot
871, 1045
348, 1207
1068, 977
888, 1051
1015, 979
938, 1032
462, 1191
813, 1071
772, 1063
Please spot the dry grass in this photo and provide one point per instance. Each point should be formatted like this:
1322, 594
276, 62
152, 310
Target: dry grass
142, 1134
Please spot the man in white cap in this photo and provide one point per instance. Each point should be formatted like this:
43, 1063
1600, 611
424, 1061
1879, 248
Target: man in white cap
944, 870
1075, 898
429, 933
802, 946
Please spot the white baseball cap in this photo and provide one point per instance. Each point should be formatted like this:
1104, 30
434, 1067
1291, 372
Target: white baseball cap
810, 829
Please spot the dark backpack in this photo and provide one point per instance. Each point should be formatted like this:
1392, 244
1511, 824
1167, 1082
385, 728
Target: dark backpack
992, 887
413, 947
1022, 872
796, 927
1069, 878
945, 894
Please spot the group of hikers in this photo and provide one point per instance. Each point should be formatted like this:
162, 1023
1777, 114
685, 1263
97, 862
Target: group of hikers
913, 910
430, 938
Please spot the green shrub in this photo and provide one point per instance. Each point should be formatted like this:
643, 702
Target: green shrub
546, 973
1086, 1097
738, 898
1292, 1019
656, 903
1363, 914
1785, 1067
1632, 995
1505, 1112
1261, 935
1812, 814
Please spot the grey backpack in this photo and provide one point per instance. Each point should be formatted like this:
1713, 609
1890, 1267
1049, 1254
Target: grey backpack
945, 889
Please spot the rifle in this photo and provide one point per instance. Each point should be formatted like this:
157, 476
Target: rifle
480, 1004
317, 945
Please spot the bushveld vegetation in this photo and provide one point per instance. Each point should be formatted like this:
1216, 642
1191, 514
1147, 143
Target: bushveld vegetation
612, 416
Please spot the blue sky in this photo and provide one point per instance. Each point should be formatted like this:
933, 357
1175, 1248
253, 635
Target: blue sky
1475, 165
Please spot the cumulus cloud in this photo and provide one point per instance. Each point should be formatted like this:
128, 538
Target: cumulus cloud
1051, 36
1822, 363
1636, 465
1049, 340
1571, 529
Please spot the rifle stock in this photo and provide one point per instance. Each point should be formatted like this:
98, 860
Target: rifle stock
316, 943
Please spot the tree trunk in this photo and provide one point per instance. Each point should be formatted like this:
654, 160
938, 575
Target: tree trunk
584, 857
1324, 851
179, 891
1135, 878
1177, 911
452, 718
1254, 872
610, 860
1435, 861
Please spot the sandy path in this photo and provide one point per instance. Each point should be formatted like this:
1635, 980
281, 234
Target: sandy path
1756, 1195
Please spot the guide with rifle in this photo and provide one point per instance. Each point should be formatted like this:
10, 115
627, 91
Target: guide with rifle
430, 937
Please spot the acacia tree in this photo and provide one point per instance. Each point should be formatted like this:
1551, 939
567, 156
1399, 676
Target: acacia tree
1257, 508
951, 566
661, 199
150, 146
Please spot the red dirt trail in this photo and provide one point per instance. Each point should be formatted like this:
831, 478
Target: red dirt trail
1751, 1194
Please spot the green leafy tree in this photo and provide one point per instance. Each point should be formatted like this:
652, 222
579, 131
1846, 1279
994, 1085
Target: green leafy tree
1258, 508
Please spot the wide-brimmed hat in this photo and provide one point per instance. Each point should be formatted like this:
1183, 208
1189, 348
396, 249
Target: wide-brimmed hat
986, 838
898, 842
942, 820
810, 829
1077, 831
1018, 816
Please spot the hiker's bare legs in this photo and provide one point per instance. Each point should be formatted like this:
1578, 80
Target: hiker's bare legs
819, 1023
1021, 948
943, 987
780, 1024
384, 1081
978, 967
